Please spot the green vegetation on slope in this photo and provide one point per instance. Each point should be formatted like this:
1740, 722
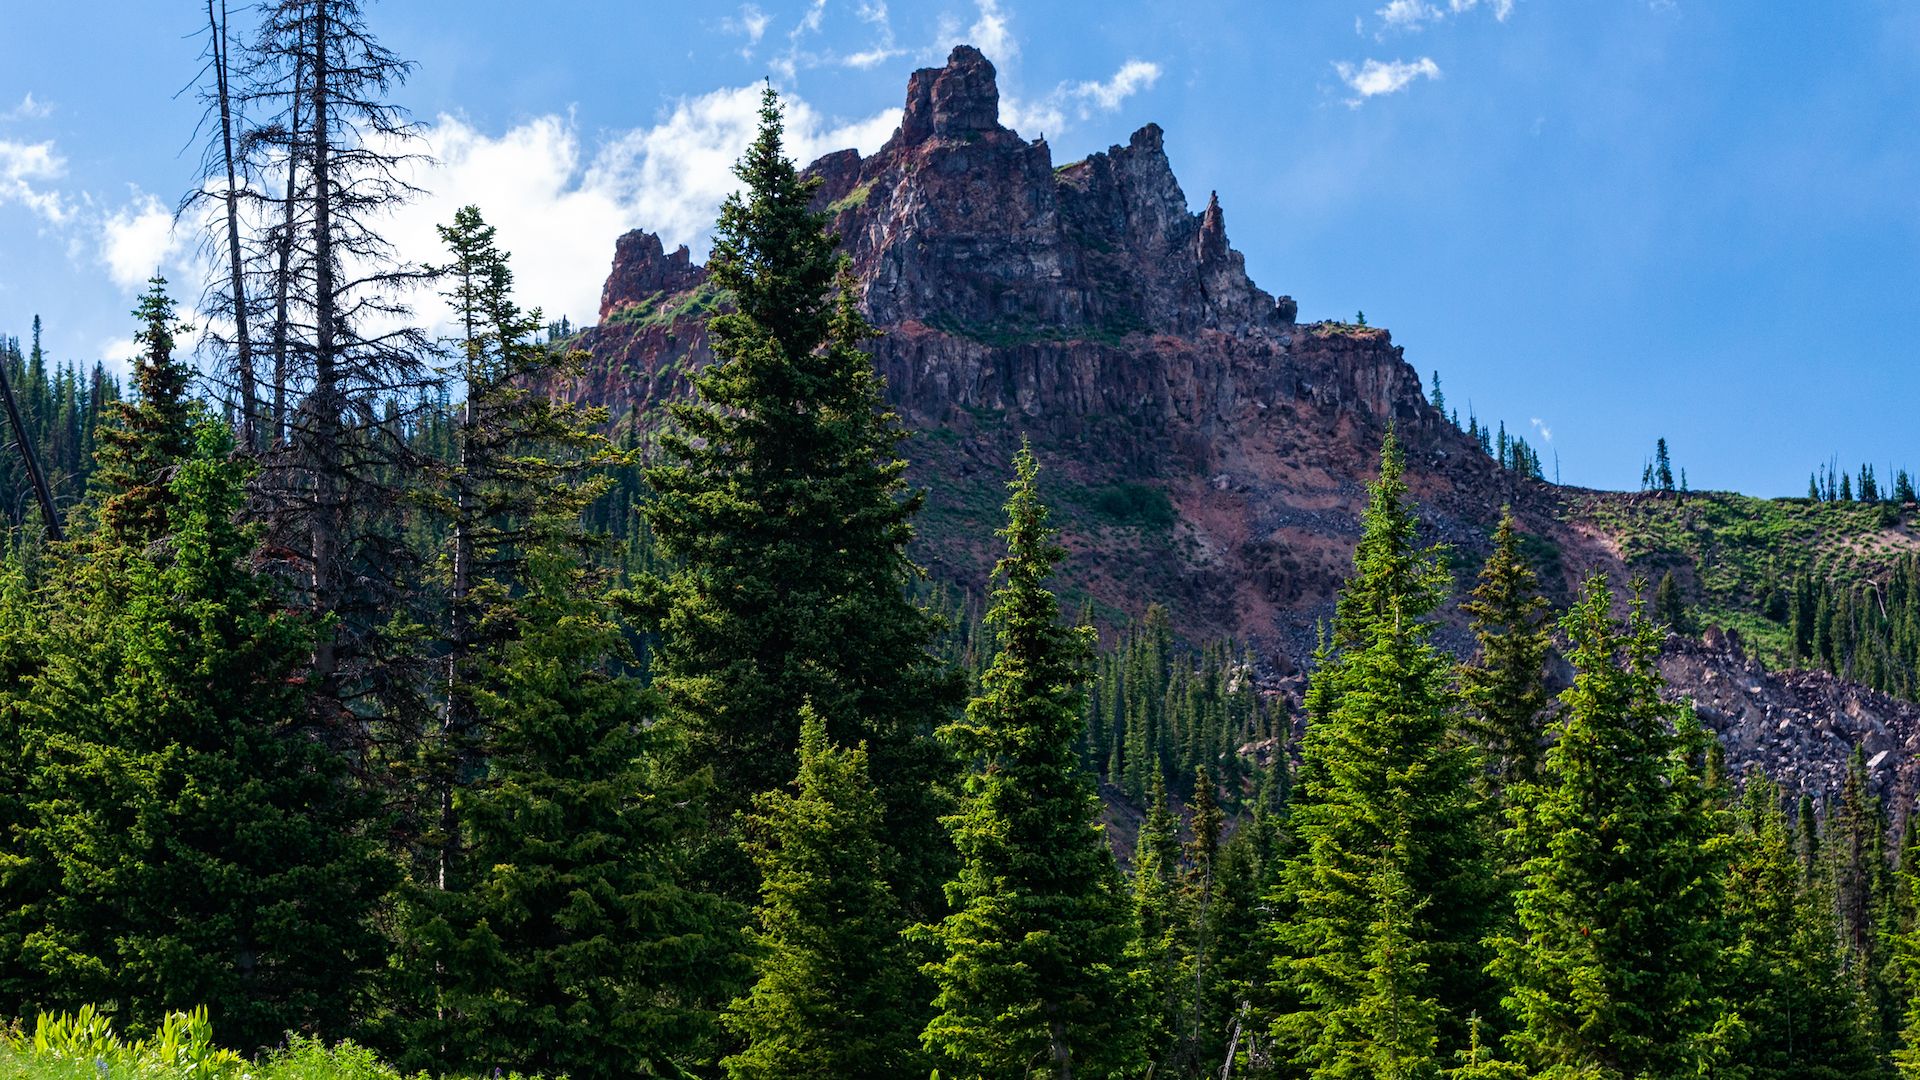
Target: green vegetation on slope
1739, 550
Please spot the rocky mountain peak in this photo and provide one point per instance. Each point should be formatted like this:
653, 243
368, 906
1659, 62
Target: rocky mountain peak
643, 270
955, 101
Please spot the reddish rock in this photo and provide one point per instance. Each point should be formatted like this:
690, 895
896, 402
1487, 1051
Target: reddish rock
642, 270
1203, 449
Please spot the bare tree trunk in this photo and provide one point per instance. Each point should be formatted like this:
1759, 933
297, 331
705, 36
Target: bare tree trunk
324, 440
30, 459
283, 269
459, 717
243, 342
1062, 1053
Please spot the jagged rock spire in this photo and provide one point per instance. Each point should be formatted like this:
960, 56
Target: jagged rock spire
957, 100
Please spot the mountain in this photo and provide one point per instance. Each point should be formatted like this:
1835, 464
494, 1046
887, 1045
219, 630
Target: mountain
1204, 448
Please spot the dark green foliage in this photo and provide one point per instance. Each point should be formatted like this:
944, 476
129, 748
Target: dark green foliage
151, 434
833, 996
573, 944
1787, 971
1670, 607
1388, 887
1613, 967
1031, 970
1868, 632
64, 410
1156, 709
200, 846
779, 503
1504, 686
551, 928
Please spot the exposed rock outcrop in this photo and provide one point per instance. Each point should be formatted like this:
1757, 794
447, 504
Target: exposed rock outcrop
1204, 448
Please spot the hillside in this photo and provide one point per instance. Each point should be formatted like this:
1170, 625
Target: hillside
1206, 448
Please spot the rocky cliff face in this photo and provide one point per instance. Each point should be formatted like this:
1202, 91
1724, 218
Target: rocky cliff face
1206, 448
1203, 447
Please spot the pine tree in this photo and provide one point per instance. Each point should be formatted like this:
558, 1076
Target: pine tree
208, 849
1669, 607
1159, 952
1504, 686
1662, 465
1030, 965
572, 944
780, 504
555, 929
1612, 969
1786, 970
833, 996
1390, 878
153, 433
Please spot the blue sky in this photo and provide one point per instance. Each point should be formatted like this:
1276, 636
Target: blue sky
1614, 219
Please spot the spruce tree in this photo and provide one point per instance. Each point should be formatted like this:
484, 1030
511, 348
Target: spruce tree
153, 433
832, 998
208, 849
1031, 970
555, 928
1159, 948
572, 943
1505, 684
1613, 966
1388, 887
781, 506
1786, 970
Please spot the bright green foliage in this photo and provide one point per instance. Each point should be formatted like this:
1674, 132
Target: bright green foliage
1030, 969
1613, 967
1787, 971
833, 997
84, 1046
1505, 685
1389, 836
781, 505
150, 434
201, 846
1159, 952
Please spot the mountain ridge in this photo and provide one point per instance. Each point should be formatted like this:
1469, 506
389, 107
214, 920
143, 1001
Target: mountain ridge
1204, 448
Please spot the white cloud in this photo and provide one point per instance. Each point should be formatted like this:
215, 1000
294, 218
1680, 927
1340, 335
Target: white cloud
1376, 77
1416, 14
24, 170
1133, 77
992, 34
1408, 14
751, 24
137, 241
1546, 433
558, 205
28, 109
1053, 112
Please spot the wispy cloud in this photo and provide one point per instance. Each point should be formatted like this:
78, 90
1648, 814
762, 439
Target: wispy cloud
1133, 77
28, 109
1546, 433
1376, 77
993, 34
1406, 15
751, 23
25, 171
